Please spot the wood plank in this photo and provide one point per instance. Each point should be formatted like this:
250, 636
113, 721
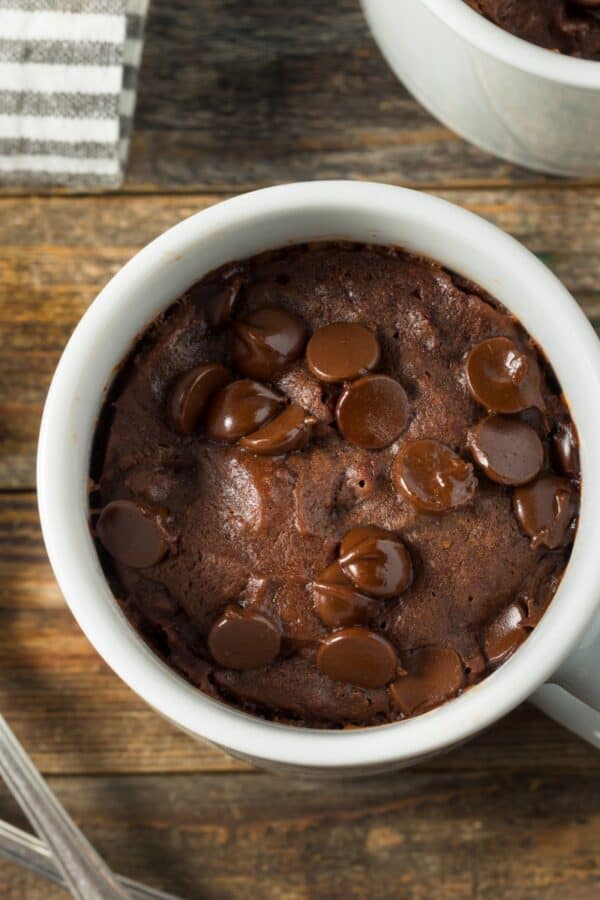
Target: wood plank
259, 94
413, 836
251, 94
75, 716
237, 95
56, 254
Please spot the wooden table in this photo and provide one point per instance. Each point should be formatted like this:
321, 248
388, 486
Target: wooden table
236, 95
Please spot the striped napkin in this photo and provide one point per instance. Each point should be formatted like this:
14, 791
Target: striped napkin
68, 78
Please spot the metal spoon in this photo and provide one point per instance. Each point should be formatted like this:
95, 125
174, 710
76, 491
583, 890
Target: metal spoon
28, 851
86, 874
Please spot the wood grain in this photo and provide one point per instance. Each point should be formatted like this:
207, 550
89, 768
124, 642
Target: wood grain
234, 95
56, 253
410, 835
262, 93
76, 717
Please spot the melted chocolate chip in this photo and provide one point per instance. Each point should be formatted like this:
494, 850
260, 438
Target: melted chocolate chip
433, 674
538, 598
432, 476
219, 306
288, 431
244, 639
502, 377
266, 341
338, 602
240, 408
191, 392
375, 561
505, 634
342, 351
133, 533
507, 449
357, 656
565, 447
545, 510
372, 411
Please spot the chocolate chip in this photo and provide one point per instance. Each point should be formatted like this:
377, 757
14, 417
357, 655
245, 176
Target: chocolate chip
565, 447
288, 431
240, 408
357, 656
538, 597
545, 510
375, 561
133, 533
338, 602
507, 449
244, 639
433, 674
504, 634
372, 411
219, 306
266, 341
191, 392
342, 351
432, 476
502, 377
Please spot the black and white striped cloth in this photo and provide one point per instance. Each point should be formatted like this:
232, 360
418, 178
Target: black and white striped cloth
68, 78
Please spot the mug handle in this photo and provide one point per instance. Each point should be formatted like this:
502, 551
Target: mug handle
572, 696
568, 711
580, 673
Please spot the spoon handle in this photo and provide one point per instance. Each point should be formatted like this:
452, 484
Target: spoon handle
86, 874
28, 851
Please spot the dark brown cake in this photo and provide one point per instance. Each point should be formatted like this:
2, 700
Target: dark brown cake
335, 485
571, 27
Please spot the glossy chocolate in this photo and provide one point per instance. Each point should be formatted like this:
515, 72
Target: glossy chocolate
308, 572
288, 431
538, 594
432, 477
338, 602
375, 561
218, 303
508, 450
244, 639
357, 656
266, 341
432, 675
239, 409
505, 634
191, 393
546, 509
565, 447
342, 351
503, 377
372, 411
133, 533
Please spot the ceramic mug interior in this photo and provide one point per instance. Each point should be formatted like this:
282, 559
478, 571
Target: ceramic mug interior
236, 229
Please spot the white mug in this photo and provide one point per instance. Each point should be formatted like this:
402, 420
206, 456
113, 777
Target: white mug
524, 103
563, 647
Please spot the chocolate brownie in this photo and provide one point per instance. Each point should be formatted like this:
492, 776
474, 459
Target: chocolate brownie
567, 26
335, 485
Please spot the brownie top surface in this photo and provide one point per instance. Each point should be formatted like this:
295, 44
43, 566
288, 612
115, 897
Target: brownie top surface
334, 537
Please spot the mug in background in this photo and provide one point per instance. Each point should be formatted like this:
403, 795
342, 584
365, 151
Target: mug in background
562, 648
521, 102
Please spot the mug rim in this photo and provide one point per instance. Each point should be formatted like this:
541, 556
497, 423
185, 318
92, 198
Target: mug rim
515, 51
75, 562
